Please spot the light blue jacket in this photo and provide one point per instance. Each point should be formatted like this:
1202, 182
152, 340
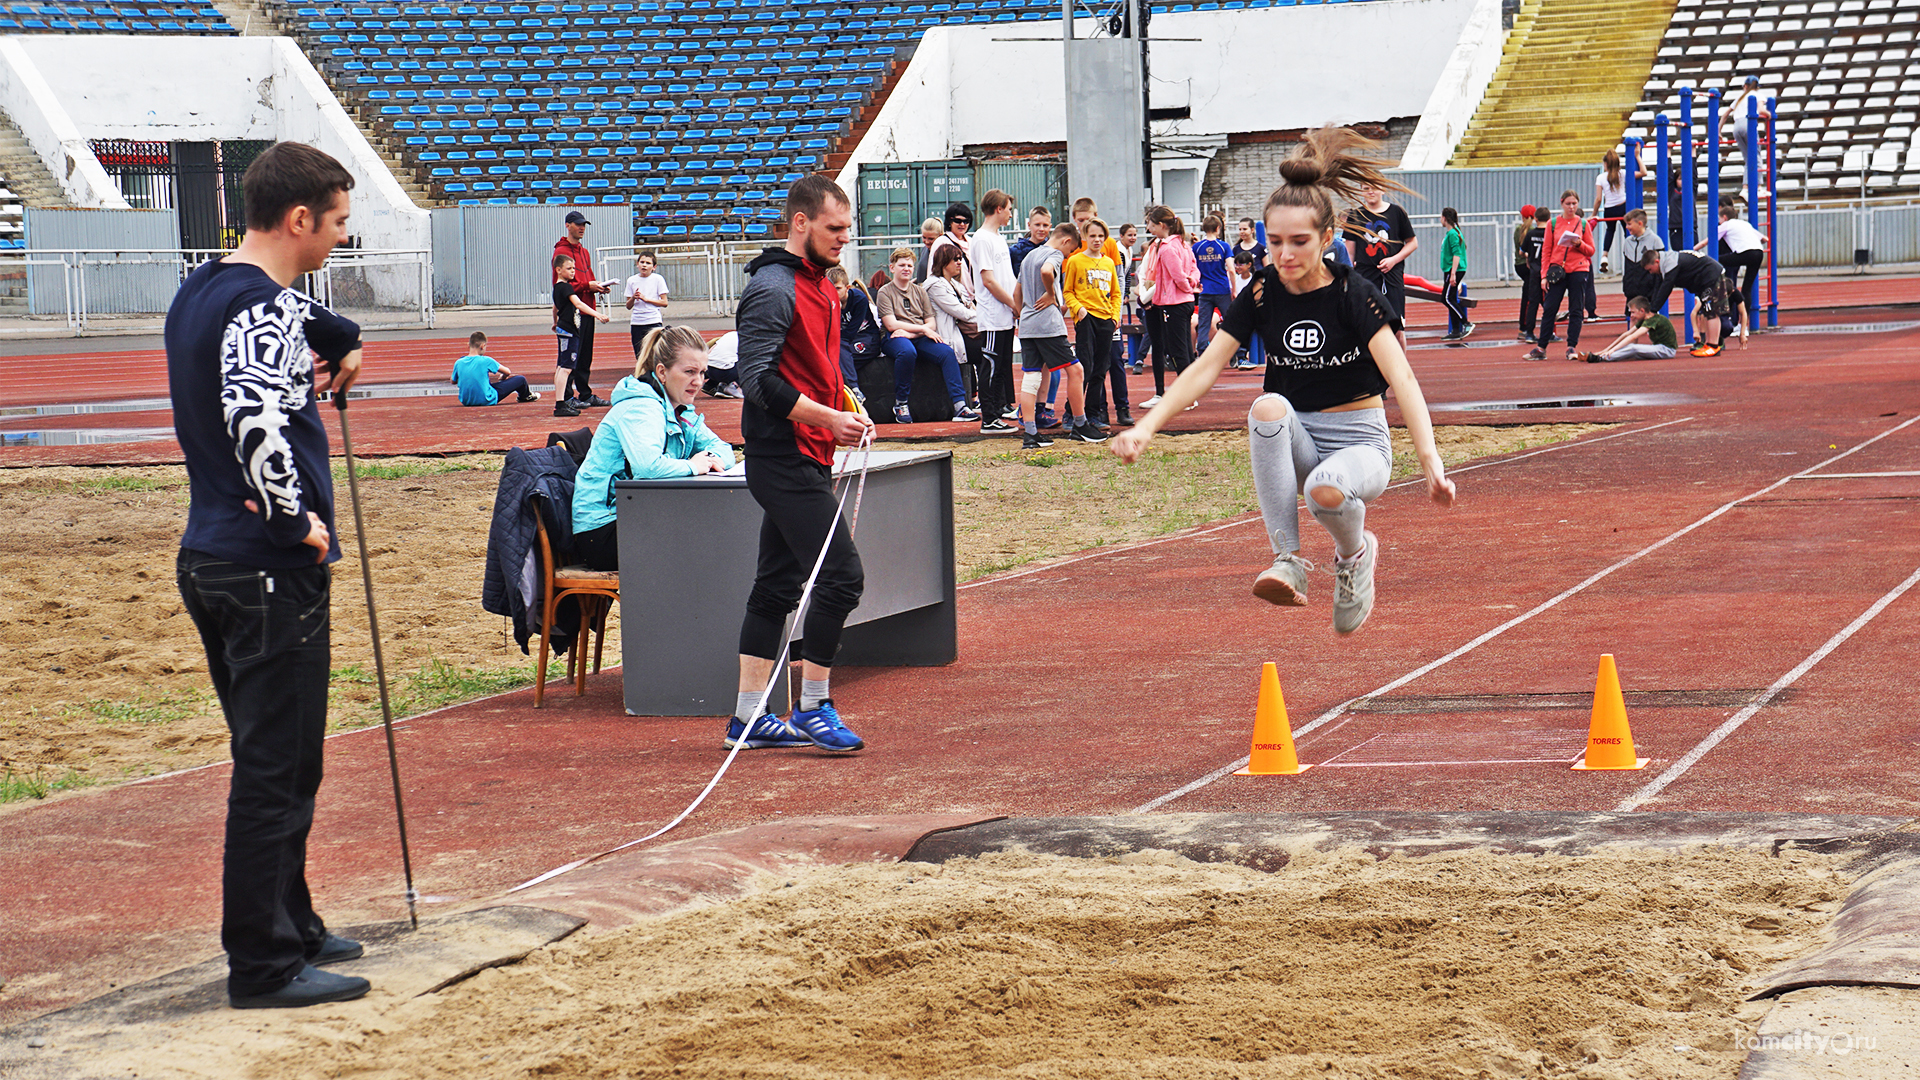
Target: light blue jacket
638, 441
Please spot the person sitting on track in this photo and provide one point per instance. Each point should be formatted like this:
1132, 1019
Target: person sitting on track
1651, 337
650, 433
484, 380
1700, 276
1332, 353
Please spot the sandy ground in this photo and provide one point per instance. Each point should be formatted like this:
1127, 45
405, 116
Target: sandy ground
108, 680
1614, 965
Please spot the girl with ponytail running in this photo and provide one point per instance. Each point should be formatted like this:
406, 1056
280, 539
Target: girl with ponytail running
1332, 353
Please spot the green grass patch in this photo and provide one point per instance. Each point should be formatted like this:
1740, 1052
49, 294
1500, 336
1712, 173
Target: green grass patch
16, 786
355, 696
160, 710
404, 468
107, 484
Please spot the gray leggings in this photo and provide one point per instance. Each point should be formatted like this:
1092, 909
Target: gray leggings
1346, 451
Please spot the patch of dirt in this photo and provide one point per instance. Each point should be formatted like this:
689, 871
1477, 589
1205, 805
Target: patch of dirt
1624, 964
108, 681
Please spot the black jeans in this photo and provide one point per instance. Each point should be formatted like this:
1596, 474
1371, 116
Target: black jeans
582, 378
1743, 270
796, 493
996, 383
598, 549
266, 633
1093, 343
1574, 289
1168, 327
1529, 302
1117, 374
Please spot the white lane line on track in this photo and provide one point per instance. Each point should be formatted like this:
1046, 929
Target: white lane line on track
1720, 734
1555, 601
1070, 560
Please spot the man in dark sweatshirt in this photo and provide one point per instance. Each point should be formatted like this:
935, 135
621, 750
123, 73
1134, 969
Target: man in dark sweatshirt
253, 565
794, 415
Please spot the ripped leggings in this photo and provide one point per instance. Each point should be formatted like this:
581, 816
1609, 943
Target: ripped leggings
1346, 451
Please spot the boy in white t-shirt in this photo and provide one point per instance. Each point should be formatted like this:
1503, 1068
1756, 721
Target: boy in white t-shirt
646, 298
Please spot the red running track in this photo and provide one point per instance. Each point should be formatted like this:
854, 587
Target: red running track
1742, 551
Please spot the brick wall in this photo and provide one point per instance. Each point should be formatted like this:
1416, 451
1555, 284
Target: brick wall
1241, 176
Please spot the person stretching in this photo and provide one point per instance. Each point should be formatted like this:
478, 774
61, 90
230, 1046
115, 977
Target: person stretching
1651, 337
1332, 353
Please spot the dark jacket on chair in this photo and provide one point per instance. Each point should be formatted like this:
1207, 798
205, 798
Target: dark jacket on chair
531, 481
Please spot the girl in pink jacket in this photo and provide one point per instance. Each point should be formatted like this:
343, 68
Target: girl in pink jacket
1174, 277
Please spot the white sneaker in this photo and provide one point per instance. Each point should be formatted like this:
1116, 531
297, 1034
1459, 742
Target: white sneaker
1353, 588
1150, 402
1285, 582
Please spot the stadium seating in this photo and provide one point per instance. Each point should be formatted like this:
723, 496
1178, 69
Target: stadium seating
698, 112
109, 17
1846, 74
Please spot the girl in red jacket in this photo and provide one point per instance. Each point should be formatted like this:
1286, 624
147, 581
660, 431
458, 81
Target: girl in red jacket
1566, 270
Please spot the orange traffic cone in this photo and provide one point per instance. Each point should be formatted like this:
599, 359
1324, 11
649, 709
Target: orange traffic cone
1272, 736
1609, 740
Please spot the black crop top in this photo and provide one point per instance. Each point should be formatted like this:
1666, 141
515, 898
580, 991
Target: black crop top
1317, 355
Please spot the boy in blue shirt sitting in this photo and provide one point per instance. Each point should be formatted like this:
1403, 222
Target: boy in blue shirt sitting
484, 380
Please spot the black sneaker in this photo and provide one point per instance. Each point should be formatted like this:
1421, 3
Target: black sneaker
1032, 441
1046, 420
311, 987
996, 426
569, 407
1085, 432
1123, 418
595, 401
337, 950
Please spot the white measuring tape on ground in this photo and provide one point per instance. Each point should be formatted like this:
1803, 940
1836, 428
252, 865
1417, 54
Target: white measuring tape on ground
857, 486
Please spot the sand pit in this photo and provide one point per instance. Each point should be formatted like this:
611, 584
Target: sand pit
1620, 964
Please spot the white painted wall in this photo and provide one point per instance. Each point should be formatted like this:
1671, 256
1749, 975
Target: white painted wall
1254, 70
1462, 85
164, 87
27, 97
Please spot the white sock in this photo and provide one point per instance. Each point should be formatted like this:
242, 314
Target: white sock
812, 693
746, 705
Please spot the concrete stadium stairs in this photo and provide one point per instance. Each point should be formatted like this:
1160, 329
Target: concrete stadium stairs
1571, 75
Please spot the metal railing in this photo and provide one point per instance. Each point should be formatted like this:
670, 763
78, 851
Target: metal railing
378, 289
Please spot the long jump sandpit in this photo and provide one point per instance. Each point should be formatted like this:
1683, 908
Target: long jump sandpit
1491, 944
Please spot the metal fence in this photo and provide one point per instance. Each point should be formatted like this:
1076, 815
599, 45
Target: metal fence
378, 289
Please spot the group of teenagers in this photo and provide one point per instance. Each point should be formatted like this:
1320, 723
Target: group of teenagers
1554, 259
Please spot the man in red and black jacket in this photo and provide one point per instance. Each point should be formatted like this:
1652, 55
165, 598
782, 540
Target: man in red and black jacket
578, 388
789, 368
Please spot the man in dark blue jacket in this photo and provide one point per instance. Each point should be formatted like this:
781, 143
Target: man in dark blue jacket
253, 566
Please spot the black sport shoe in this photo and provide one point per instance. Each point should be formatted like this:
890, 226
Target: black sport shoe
596, 401
1123, 418
337, 950
566, 408
1032, 441
311, 987
996, 426
1085, 432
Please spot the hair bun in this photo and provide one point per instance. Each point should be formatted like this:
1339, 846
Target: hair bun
1303, 171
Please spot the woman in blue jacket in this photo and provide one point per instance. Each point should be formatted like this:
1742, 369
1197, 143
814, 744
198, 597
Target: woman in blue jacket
650, 433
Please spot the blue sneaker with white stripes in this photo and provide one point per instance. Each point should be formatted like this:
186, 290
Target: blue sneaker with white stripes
768, 732
823, 727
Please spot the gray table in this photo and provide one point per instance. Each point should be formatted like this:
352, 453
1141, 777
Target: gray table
688, 548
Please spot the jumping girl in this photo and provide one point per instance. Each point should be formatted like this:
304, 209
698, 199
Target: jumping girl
1332, 353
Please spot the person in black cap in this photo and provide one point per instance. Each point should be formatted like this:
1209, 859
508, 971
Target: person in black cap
578, 393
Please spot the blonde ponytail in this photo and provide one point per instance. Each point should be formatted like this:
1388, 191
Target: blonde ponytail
661, 347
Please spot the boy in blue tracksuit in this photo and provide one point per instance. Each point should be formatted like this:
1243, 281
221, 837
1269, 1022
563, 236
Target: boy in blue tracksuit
650, 433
